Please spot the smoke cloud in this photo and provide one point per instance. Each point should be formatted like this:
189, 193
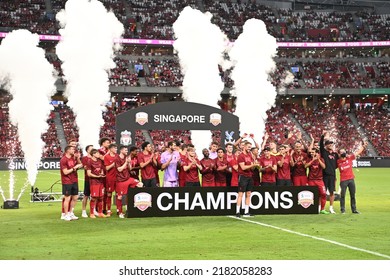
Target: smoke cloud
286, 80
29, 77
200, 46
87, 52
252, 57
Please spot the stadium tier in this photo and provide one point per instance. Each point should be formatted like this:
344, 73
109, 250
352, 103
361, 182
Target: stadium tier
146, 74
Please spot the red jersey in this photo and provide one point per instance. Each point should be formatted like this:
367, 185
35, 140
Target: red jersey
124, 175
299, 168
103, 151
85, 161
148, 172
192, 174
283, 172
247, 160
315, 171
182, 173
135, 172
229, 158
96, 168
345, 167
268, 175
234, 182
68, 163
220, 176
208, 166
108, 160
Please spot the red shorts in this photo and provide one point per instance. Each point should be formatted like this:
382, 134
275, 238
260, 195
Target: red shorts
110, 186
318, 183
97, 190
321, 186
299, 181
220, 184
121, 187
208, 184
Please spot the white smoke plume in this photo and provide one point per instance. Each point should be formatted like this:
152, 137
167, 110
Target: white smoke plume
30, 80
287, 79
87, 51
252, 57
200, 46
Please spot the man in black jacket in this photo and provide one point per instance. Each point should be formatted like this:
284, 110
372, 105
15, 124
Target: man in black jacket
330, 157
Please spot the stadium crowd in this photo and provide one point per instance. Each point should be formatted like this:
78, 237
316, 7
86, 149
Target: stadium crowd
281, 121
154, 19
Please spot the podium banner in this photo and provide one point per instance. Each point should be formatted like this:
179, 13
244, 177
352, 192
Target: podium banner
216, 201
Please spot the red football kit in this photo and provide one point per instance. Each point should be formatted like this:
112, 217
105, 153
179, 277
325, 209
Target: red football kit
192, 174
283, 172
345, 167
299, 176
315, 179
110, 174
123, 178
148, 172
96, 184
247, 160
268, 175
234, 182
208, 178
220, 176
68, 163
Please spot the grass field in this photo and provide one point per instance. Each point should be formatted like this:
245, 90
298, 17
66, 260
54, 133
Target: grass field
35, 231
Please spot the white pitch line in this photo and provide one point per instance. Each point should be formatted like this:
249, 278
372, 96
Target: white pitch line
314, 237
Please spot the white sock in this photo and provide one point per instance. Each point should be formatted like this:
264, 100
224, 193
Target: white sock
237, 208
246, 209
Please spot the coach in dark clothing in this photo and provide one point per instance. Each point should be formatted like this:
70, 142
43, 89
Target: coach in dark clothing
329, 173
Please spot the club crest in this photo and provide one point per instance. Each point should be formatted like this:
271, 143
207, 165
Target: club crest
305, 198
141, 118
143, 201
215, 119
125, 138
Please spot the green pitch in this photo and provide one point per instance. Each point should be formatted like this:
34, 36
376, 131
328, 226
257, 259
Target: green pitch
36, 232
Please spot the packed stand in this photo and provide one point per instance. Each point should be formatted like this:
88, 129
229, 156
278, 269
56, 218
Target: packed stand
25, 14
231, 16
155, 18
159, 137
345, 74
164, 73
279, 125
10, 140
376, 123
383, 79
8, 136
121, 74
373, 27
333, 119
50, 138
69, 124
317, 26
108, 128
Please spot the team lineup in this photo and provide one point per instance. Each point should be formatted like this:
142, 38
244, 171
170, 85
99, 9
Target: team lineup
112, 169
